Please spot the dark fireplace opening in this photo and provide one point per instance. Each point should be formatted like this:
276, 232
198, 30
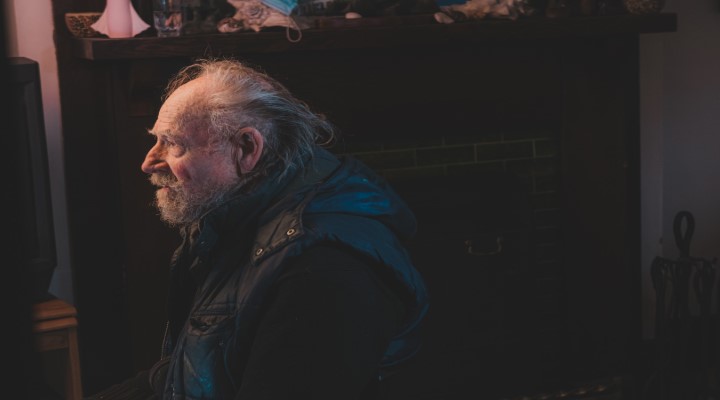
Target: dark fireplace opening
474, 249
487, 244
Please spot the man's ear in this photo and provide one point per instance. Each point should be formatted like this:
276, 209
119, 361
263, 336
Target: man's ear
248, 147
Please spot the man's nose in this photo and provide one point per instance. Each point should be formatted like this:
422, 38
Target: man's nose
154, 160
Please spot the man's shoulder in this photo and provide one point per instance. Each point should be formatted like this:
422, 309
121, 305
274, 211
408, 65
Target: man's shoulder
330, 267
330, 257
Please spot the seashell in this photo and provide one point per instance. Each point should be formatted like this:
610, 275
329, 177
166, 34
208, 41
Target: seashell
229, 25
79, 24
443, 18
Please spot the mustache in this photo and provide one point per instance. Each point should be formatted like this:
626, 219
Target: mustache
163, 180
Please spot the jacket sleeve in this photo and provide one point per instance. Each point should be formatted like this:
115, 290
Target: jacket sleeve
324, 330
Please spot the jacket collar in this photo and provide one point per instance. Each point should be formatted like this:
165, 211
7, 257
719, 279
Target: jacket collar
243, 211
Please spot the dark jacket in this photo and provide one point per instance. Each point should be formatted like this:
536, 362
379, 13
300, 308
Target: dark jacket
222, 274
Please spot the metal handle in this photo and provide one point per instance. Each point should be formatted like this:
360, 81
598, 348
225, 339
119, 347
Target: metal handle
498, 249
682, 239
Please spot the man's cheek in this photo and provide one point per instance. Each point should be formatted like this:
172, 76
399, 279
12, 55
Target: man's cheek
181, 173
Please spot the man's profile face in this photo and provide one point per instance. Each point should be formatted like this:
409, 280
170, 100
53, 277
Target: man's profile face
191, 174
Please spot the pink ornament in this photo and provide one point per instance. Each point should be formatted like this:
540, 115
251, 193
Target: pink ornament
120, 20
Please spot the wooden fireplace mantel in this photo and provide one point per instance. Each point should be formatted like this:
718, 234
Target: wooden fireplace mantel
376, 32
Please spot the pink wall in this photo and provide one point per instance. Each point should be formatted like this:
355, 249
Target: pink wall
30, 34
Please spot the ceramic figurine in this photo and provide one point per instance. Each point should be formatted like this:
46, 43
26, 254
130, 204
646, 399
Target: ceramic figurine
120, 20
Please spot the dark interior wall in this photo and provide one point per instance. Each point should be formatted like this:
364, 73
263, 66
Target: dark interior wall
690, 99
680, 173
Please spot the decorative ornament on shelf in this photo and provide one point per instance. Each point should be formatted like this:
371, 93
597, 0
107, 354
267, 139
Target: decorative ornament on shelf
253, 15
644, 6
461, 10
78, 23
258, 14
120, 20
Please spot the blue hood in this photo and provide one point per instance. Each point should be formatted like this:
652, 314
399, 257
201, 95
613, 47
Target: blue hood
343, 202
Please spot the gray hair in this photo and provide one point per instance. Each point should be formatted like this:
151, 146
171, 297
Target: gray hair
239, 96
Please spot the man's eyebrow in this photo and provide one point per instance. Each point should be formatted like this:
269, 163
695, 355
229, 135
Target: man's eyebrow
166, 133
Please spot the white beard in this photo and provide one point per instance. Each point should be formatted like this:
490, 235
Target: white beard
180, 206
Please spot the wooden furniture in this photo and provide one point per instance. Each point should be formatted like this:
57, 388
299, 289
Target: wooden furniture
376, 35
55, 328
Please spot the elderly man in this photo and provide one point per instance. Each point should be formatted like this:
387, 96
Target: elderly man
291, 281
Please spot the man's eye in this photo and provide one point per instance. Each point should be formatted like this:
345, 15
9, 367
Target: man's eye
167, 142
176, 149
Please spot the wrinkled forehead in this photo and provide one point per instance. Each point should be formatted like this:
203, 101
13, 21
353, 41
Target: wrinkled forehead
181, 113
184, 99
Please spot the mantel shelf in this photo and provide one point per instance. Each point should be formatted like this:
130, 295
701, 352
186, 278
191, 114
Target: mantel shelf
372, 33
